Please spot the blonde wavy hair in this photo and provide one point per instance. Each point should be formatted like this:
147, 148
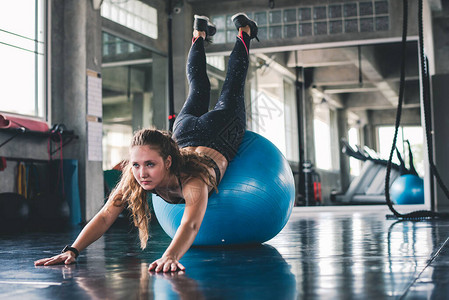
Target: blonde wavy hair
128, 191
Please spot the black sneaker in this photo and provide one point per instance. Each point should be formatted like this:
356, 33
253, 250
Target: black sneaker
202, 23
242, 20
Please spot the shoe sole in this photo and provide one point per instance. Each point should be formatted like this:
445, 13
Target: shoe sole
240, 14
249, 24
201, 17
209, 24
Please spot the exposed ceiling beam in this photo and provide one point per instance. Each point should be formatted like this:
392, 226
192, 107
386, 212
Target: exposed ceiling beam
272, 63
375, 100
333, 100
370, 70
317, 58
336, 75
350, 89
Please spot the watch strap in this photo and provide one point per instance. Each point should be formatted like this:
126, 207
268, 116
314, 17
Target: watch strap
69, 248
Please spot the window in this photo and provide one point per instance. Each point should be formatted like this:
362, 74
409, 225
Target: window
353, 139
268, 116
22, 57
217, 62
135, 15
322, 136
116, 139
273, 106
303, 21
127, 90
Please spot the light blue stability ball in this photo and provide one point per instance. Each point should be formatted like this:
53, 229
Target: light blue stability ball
254, 202
407, 189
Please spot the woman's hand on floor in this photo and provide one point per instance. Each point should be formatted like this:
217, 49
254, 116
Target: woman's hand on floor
66, 258
166, 264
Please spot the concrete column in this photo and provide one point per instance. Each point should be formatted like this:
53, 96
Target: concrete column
342, 125
74, 82
159, 101
138, 111
182, 35
82, 51
147, 119
142, 114
369, 131
309, 142
94, 169
335, 137
440, 92
441, 132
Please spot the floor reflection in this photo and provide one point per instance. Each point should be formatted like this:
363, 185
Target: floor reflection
230, 273
127, 281
255, 272
357, 255
319, 255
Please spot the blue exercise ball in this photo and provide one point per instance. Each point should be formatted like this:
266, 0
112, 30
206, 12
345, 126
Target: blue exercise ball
407, 189
254, 202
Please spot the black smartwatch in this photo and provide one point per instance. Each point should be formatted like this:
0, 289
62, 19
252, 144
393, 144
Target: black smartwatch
74, 250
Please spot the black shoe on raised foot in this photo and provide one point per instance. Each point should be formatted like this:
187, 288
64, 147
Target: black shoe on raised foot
242, 20
202, 23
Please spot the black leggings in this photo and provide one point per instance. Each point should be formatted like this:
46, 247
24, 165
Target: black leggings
223, 127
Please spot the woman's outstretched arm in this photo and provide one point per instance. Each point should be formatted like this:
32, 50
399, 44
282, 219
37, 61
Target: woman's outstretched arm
90, 233
195, 193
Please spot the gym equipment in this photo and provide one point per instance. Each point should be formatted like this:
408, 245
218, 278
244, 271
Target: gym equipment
11, 121
369, 186
254, 200
419, 214
407, 189
71, 186
14, 212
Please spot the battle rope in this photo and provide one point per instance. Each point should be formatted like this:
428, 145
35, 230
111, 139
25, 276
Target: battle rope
420, 214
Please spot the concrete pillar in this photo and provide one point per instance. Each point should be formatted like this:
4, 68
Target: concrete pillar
159, 101
440, 92
369, 132
82, 51
441, 132
342, 125
94, 169
74, 82
138, 111
147, 118
309, 142
335, 137
182, 35
142, 114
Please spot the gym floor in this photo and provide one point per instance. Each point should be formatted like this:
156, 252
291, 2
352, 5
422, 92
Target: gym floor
319, 255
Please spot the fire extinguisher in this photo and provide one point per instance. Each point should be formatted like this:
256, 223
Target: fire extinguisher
317, 188
312, 185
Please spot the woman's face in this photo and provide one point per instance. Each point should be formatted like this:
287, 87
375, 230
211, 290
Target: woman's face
148, 167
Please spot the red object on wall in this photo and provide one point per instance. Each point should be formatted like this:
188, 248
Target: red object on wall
2, 163
12, 121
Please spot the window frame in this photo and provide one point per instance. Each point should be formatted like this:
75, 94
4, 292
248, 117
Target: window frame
42, 80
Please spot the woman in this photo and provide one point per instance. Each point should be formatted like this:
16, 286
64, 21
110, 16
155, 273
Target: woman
188, 167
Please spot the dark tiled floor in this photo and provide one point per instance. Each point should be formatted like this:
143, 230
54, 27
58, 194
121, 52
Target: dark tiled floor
318, 255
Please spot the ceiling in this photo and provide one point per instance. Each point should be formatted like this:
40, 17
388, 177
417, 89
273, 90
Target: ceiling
361, 77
